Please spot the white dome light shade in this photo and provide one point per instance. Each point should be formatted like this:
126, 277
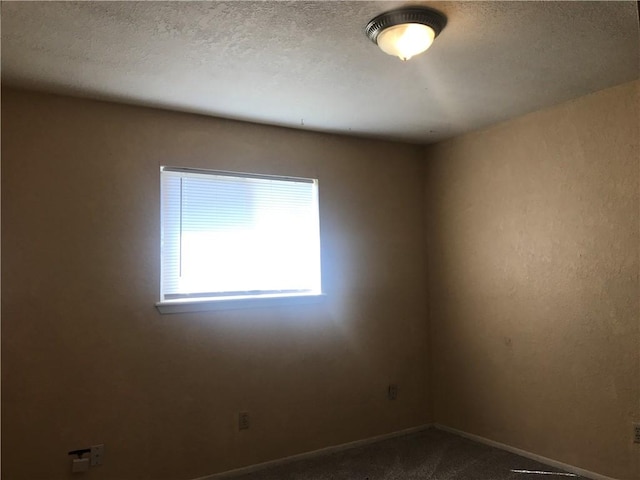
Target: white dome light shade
406, 40
405, 32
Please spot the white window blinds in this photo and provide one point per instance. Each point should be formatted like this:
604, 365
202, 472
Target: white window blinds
227, 235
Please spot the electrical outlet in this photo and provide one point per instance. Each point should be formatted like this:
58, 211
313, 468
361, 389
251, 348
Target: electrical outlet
97, 455
392, 391
636, 433
243, 421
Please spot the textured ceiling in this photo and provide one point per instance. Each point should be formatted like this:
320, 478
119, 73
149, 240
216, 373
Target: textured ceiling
309, 65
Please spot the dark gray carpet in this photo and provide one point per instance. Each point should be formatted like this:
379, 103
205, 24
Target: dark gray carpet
428, 455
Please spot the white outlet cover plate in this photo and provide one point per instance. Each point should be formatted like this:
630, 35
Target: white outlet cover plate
80, 465
97, 455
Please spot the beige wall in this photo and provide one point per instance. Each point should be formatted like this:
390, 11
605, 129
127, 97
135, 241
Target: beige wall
533, 250
533, 284
87, 359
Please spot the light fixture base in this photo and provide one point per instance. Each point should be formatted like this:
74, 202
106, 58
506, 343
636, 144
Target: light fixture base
421, 15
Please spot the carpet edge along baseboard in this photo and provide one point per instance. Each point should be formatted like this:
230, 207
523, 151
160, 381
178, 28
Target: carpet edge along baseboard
524, 453
378, 438
314, 453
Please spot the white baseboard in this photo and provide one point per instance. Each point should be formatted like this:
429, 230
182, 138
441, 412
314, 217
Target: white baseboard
524, 453
314, 453
358, 443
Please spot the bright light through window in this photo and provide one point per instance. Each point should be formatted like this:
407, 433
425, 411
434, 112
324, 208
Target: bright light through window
230, 235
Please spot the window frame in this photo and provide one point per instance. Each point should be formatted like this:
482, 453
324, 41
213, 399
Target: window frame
184, 303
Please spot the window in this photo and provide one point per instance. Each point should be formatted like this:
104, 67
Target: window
232, 236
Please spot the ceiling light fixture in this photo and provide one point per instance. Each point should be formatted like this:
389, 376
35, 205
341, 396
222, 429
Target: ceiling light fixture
405, 32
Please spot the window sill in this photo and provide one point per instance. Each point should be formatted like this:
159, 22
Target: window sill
188, 306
